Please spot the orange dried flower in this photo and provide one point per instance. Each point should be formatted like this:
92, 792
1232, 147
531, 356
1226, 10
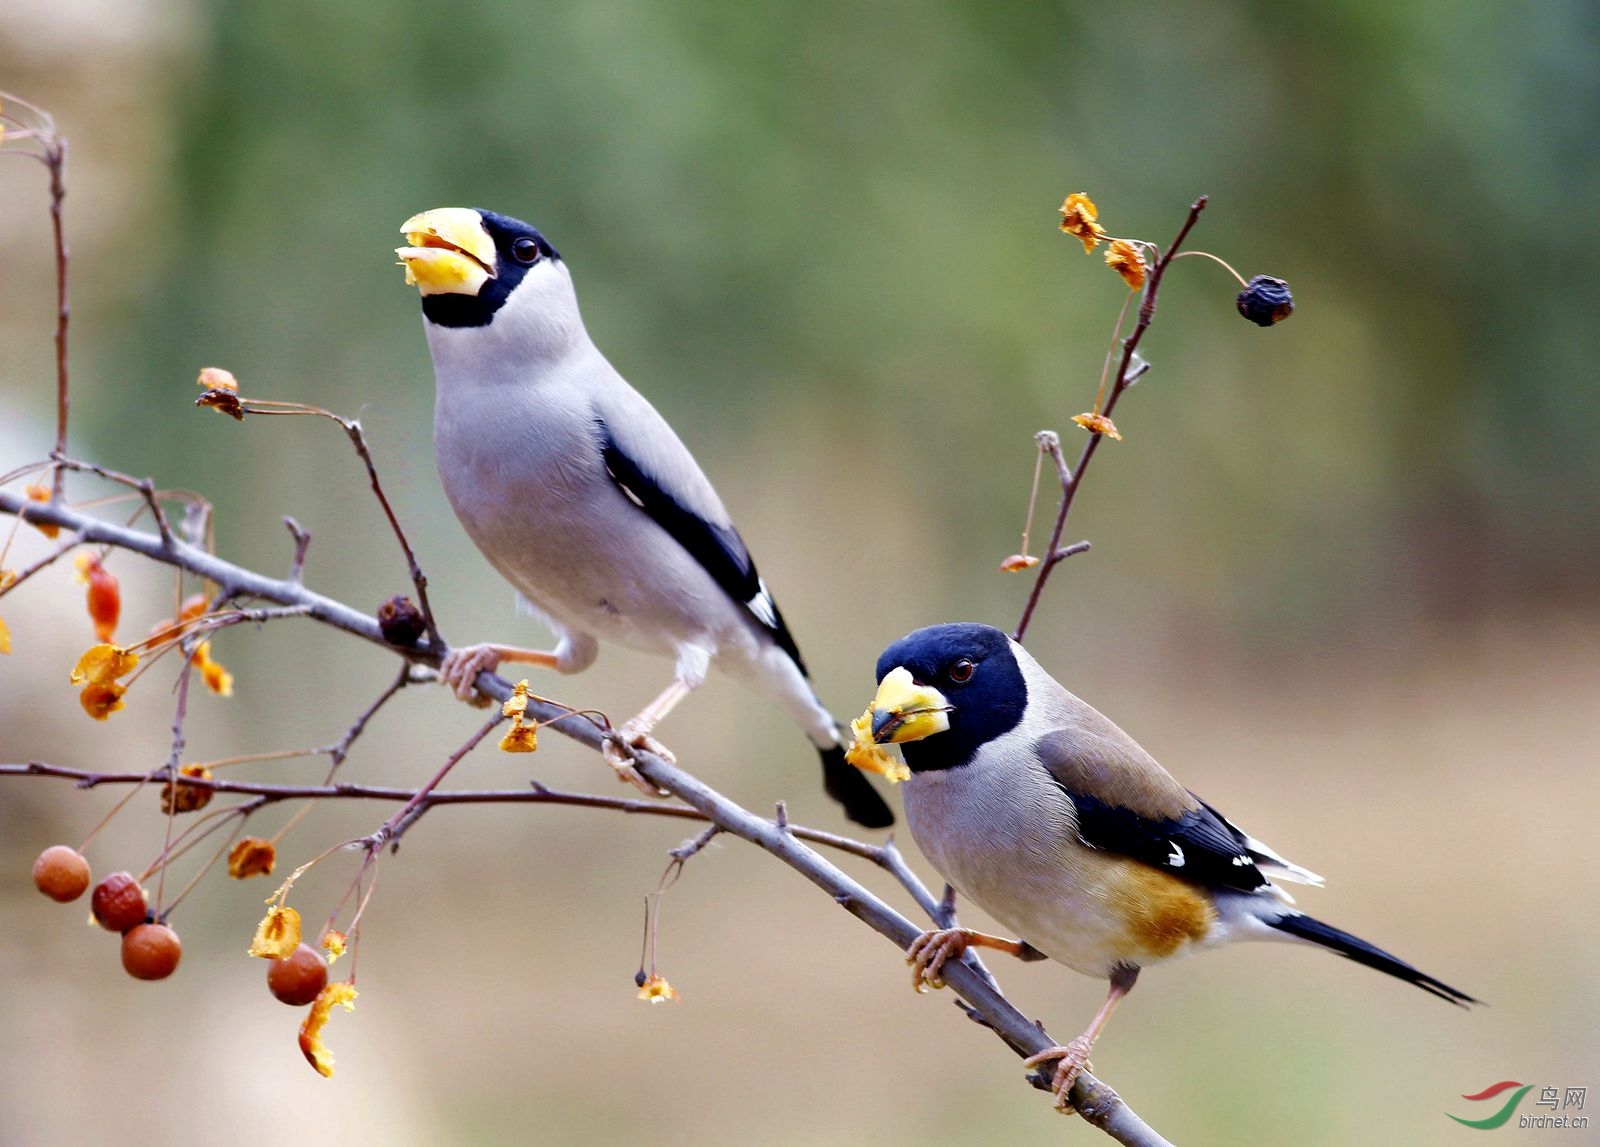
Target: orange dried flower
8, 578
521, 737
181, 797
311, 1045
103, 664
1018, 562
334, 943
100, 701
252, 856
193, 606
277, 935
656, 990
1098, 424
217, 679
5, 637
1078, 215
105, 596
39, 492
1126, 260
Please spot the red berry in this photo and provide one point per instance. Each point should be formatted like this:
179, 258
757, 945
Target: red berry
298, 978
61, 873
151, 952
118, 903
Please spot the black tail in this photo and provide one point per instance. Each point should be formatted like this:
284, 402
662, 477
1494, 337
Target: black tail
1304, 927
849, 786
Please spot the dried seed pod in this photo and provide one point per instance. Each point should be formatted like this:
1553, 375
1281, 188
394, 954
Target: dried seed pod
151, 952
187, 798
298, 979
61, 873
401, 621
1266, 300
118, 903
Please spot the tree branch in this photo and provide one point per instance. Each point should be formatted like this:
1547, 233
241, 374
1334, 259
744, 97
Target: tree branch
1096, 1101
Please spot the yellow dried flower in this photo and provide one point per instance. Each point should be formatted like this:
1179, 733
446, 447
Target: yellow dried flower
1018, 562
656, 990
217, 679
311, 1046
278, 934
334, 943
1126, 260
187, 798
38, 492
103, 664
252, 856
516, 704
520, 738
100, 701
216, 378
869, 756
5, 637
1098, 424
1078, 215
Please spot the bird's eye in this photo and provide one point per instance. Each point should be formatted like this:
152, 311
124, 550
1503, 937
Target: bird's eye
526, 250
961, 671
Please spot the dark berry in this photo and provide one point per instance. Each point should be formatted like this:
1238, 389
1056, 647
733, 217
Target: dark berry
1266, 300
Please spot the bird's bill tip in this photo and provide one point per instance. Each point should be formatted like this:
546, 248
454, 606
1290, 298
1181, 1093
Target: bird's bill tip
905, 710
448, 251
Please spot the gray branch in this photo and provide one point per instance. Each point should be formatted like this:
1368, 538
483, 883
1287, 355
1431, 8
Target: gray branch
1097, 1102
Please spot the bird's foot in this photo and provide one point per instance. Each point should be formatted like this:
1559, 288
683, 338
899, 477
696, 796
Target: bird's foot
1074, 1058
617, 748
460, 668
928, 953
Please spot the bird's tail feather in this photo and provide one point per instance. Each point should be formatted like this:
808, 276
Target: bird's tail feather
1303, 927
849, 786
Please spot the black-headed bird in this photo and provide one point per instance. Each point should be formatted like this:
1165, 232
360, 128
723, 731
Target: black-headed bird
584, 499
1055, 822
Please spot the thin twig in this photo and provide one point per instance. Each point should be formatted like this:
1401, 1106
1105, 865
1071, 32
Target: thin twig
1127, 372
302, 542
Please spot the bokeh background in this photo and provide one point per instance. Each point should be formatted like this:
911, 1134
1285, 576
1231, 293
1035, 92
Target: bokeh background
1344, 580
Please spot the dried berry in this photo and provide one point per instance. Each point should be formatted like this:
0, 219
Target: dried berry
401, 621
300, 978
118, 903
151, 952
1266, 300
61, 873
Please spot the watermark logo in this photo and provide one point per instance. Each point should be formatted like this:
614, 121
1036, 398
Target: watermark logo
1568, 1100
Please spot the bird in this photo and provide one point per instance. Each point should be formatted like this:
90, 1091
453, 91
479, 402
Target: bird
583, 498
1040, 810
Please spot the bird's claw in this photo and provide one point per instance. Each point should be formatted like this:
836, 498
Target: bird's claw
928, 953
1074, 1058
617, 748
460, 668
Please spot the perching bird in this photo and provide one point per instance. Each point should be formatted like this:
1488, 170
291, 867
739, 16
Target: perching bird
1053, 820
583, 498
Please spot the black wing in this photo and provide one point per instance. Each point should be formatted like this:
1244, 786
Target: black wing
718, 548
1198, 845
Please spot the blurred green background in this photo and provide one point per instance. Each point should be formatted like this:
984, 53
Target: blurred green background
1344, 577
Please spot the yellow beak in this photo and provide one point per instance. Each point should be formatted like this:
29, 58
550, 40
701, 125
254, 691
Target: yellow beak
450, 252
902, 710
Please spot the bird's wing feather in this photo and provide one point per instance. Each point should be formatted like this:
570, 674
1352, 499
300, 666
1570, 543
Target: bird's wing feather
652, 467
1129, 804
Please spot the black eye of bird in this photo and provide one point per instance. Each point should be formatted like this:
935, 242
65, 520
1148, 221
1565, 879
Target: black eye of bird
961, 671
526, 250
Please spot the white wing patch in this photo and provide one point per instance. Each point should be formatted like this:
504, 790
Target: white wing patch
1176, 858
762, 605
1274, 865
